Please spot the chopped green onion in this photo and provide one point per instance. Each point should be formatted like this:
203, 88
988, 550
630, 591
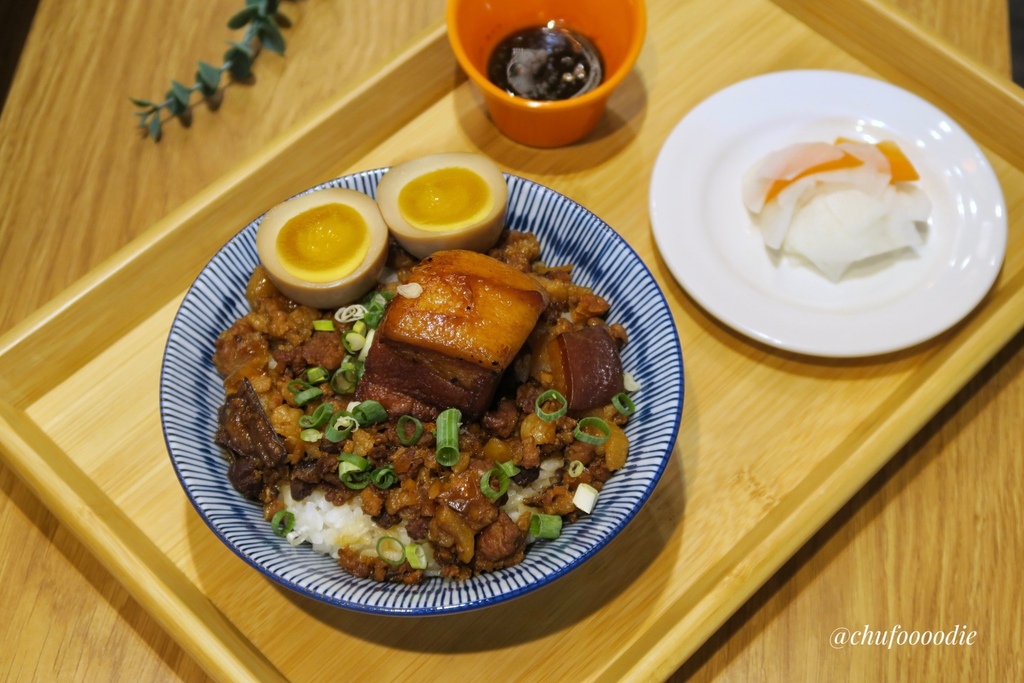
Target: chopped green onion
304, 391
545, 526
350, 462
352, 470
297, 386
369, 413
344, 379
509, 467
447, 452
316, 375
410, 290
359, 327
308, 395
282, 522
355, 480
323, 325
585, 498
318, 418
352, 341
550, 395
310, 435
391, 550
375, 305
403, 433
629, 383
416, 556
366, 350
592, 423
624, 404
339, 427
350, 313
575, 468
486, 487
384, 477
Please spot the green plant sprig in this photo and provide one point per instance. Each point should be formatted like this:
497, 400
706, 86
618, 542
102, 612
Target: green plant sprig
263, 22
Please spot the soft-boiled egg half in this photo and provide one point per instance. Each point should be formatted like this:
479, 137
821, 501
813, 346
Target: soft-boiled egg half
324, 249
454, 200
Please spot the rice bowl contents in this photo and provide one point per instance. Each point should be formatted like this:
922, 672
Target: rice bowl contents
368, 480
329, 528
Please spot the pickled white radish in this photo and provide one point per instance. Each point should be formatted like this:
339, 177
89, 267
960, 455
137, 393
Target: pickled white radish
836, 204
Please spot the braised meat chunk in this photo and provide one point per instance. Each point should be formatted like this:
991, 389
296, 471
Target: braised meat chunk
449, 346
586, 367
500, 545
245, 430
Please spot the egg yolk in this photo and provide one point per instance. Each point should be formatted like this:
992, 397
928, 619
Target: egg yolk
324, 243
445, 199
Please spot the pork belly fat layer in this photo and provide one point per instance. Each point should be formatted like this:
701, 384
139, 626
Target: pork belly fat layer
417, 381
449, 346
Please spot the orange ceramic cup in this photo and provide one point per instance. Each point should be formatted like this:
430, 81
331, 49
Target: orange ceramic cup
615, 27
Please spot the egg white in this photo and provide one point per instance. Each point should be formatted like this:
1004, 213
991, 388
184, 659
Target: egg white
479, 235
334, 293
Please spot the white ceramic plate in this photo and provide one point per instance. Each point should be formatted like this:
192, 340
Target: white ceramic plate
717, 255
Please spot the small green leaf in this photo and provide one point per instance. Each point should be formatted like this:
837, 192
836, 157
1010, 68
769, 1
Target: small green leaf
208, 78
271, 37
204, 88
154, 127
174, 105
210, 74
241, 46
242, 18
263, 23
181, 93
241, 63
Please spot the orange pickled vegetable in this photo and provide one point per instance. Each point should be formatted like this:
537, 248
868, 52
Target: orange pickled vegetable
899, 166
845, 161
902, 170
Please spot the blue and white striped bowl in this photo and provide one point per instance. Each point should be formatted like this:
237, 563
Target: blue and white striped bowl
191, 392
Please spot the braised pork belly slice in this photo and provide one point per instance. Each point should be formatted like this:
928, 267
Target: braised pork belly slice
449, 346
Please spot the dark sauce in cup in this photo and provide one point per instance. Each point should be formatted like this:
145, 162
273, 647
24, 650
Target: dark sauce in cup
545, 63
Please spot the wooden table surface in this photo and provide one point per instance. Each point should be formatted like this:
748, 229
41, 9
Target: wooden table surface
934, 541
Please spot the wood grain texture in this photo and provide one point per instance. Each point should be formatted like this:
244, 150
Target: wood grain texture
889, 41
68, 618
71, 129
928, 543
918, 547
53, 643
979, 28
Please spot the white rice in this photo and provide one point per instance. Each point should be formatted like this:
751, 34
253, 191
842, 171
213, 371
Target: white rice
515, 506
328, 527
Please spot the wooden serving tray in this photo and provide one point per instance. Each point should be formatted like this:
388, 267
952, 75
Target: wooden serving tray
770, 446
